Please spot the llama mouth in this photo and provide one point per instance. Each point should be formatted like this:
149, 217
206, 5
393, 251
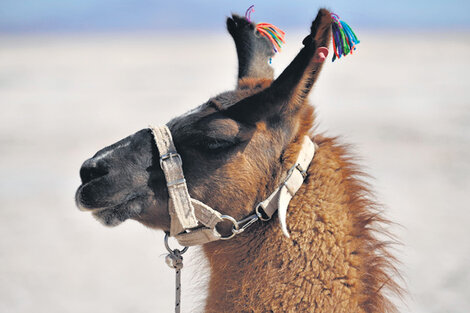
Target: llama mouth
110, 214
88, 198
97, 195
83, 205
78, 200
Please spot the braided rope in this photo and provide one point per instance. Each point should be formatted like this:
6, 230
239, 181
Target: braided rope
174, 259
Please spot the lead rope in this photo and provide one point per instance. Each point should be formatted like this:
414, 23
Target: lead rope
174, 259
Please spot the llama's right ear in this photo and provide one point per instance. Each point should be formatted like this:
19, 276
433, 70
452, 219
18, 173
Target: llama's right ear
253, 49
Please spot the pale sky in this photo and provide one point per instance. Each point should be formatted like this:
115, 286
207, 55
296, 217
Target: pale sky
130, 15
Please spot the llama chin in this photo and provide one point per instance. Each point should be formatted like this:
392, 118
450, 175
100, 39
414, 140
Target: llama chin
112, 217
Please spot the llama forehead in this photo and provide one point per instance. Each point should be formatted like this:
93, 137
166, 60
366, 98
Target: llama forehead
218, 103
184, 121
246, 87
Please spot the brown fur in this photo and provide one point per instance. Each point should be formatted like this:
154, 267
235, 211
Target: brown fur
333, 261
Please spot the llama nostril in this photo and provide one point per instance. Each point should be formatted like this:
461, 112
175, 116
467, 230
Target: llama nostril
91, 170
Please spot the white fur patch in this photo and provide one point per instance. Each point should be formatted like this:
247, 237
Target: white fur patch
195, 280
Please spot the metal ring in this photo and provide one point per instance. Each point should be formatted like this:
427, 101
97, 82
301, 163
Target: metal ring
167, 246
234, 228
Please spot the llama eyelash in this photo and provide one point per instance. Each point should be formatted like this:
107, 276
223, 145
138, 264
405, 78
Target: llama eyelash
218, 144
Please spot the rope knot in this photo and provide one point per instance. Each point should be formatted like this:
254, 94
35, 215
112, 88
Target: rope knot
174, 259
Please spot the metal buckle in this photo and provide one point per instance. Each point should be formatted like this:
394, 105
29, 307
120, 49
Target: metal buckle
169, 155
301, 170
296, 167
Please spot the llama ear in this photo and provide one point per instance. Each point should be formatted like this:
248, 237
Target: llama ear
296, 81
289, 91
253, 50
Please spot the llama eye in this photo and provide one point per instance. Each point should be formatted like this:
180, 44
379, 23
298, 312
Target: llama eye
217, 144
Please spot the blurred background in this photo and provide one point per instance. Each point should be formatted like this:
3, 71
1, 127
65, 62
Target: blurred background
78, 75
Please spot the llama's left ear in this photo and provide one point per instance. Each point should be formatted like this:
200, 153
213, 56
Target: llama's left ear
253, 49
289, 91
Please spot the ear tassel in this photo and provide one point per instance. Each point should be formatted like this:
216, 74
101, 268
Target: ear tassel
344, 38
273, 33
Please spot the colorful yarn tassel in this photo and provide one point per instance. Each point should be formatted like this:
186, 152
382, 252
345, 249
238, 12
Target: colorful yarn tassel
344, 39
273, 33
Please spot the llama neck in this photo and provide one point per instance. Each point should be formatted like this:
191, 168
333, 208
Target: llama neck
330, 263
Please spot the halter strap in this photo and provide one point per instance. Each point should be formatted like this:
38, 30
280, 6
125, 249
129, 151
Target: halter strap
279, 200
186, 212
179, 204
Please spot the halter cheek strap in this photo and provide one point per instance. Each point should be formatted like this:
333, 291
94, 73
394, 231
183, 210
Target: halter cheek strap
194, 223
179, 204
279, 200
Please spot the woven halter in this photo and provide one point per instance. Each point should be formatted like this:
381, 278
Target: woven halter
194, 223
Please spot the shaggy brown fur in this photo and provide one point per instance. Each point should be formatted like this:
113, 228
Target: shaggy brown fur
331, 263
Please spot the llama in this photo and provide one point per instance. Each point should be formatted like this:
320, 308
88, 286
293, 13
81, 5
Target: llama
235, 150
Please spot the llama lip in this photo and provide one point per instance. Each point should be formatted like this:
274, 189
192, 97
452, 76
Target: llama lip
78, 201
114, 211
86, 206
82, 204
98, 194
85, 200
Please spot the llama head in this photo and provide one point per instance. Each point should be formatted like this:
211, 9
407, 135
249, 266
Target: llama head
234, 147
